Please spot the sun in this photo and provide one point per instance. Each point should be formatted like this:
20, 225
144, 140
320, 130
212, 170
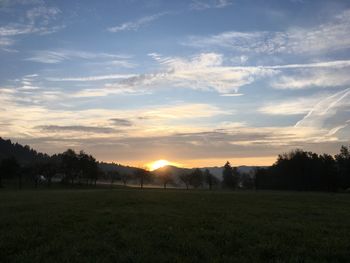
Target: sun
158, 164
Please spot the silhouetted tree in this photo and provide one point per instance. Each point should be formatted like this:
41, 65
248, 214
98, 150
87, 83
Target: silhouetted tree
142, 176
165, 176
185, 178
247, 181
303, 171
42, 170
31, 172
210, 179
229, 177
23, 154
328, 172
11, 169
196, 178
262, 178
51, 167
113, 175
70, 165
236, 176
343, 164
124, 177
166, 179
88, 167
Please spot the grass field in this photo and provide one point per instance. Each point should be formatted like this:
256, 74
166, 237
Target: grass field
133, 225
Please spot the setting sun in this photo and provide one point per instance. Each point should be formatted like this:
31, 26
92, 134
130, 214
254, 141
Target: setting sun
158, 164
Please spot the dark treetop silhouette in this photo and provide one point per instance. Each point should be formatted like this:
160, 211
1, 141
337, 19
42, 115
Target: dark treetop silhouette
296, 170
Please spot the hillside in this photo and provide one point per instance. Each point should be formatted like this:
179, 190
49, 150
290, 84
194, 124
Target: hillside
24, 154
216, 171
113, 167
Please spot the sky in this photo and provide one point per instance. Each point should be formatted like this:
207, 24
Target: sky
193, 82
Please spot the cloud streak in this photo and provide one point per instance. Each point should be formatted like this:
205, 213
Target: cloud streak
330, 36
325, 109
296, 106
121, 122
61, 55
202, 5
204, 71
38, 20
77, 128
137, 24
207, 71
94, 78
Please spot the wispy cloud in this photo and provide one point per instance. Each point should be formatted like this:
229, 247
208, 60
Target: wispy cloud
77, 128
121, 122
18, 29
60, 55
205, 71
94, 78
9, 3
202, 5
324, 115
32, 120
13, 30
162, 127
337, 64
38, 20
116, 63
330, 36
312, 78
42, 15
5, 42
232, 94
321, 74
325, 109
135, 25
296, 106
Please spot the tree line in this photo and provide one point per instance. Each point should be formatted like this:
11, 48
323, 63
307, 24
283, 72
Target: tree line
307, 171
68, 167
296, 170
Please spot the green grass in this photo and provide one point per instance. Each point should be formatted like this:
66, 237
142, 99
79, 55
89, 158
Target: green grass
133, 225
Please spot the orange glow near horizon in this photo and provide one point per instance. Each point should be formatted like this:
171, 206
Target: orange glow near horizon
160, 163
210, 162
157, 164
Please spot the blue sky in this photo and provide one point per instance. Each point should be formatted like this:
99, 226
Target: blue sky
195, 82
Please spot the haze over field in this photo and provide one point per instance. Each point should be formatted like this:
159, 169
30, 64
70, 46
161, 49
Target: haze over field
192, 82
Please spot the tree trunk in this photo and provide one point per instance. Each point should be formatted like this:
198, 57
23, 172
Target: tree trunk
164, 185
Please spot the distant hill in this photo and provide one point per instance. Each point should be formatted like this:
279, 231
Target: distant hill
174, 170
121, 169
216, 171
24, 154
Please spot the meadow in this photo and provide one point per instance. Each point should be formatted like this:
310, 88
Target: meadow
154, 225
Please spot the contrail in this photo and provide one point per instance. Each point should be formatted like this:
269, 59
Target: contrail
322, 107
